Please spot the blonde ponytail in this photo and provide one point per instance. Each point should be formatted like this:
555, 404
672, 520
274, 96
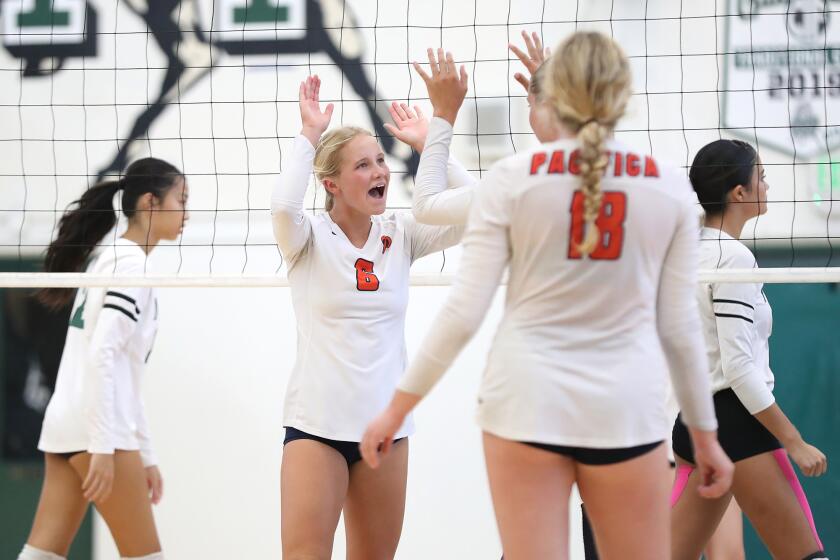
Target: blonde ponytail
588, 85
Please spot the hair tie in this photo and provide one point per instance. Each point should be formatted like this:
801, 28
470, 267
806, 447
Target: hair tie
590, 121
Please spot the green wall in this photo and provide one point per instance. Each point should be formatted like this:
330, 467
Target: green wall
20, 479
20, 486
805, 358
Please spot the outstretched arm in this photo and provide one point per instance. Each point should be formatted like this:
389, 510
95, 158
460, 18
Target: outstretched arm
432, 203
291, 228
485, 256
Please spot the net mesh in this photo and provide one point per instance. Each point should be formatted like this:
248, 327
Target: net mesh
211, 86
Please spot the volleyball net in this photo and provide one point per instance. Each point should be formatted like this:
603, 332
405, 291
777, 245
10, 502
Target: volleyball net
211, 86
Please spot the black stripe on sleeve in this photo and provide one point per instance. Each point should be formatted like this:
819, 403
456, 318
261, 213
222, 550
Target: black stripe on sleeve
747, 319
126, 298
735, 301
123, 311
121, 296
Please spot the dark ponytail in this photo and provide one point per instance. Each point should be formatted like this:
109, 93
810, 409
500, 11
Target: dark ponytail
93, 216
719, 167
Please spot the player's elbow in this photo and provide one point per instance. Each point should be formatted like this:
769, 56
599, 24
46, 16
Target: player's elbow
421, 209
284, 207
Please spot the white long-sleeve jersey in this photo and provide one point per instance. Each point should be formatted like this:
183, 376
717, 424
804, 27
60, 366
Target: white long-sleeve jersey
97, 404
431, 203
582, 351
737, 322
350, 306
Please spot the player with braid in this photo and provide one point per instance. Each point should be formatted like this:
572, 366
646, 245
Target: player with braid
601, 247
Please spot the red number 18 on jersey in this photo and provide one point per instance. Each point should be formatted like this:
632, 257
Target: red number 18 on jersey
610, 223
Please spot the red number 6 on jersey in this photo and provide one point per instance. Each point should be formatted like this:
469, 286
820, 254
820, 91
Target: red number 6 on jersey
610, 223
366, 280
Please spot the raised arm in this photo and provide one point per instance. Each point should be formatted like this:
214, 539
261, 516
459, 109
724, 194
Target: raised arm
432, 202
291, 228
485, 257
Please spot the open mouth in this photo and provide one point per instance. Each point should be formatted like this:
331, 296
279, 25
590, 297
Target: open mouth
377, 192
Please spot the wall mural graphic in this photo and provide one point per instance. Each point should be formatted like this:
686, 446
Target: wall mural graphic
44, 34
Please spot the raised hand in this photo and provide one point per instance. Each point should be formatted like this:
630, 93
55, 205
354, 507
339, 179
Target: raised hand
447, 86
315, 121
411, 126
537, 54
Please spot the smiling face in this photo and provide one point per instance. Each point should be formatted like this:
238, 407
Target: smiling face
363, 176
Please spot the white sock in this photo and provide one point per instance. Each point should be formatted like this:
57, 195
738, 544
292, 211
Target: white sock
32, 553
152, 556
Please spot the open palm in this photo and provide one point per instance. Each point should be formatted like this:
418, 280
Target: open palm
411, 126
311, 116
537, 54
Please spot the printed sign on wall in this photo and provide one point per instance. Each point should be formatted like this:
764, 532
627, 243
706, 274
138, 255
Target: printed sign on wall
782, 75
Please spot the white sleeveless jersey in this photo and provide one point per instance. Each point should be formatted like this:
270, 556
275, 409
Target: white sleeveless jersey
97, 405
582, 351
349, 304
737, 322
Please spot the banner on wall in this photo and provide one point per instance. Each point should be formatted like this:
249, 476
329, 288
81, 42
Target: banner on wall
782, 86
195, 36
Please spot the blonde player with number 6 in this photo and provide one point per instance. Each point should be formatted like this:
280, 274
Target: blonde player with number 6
349, 274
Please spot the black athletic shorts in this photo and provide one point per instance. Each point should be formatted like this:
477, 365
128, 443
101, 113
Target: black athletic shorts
593, 456
68, 455
348, 449
740, 435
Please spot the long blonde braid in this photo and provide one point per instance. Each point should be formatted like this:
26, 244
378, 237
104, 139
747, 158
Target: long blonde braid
589, 85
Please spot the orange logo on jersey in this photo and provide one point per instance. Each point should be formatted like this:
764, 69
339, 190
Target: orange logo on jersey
386, 243
561, 162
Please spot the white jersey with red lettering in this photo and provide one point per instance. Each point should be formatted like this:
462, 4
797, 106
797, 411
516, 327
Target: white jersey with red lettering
585, 343
97, 404
350, 306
